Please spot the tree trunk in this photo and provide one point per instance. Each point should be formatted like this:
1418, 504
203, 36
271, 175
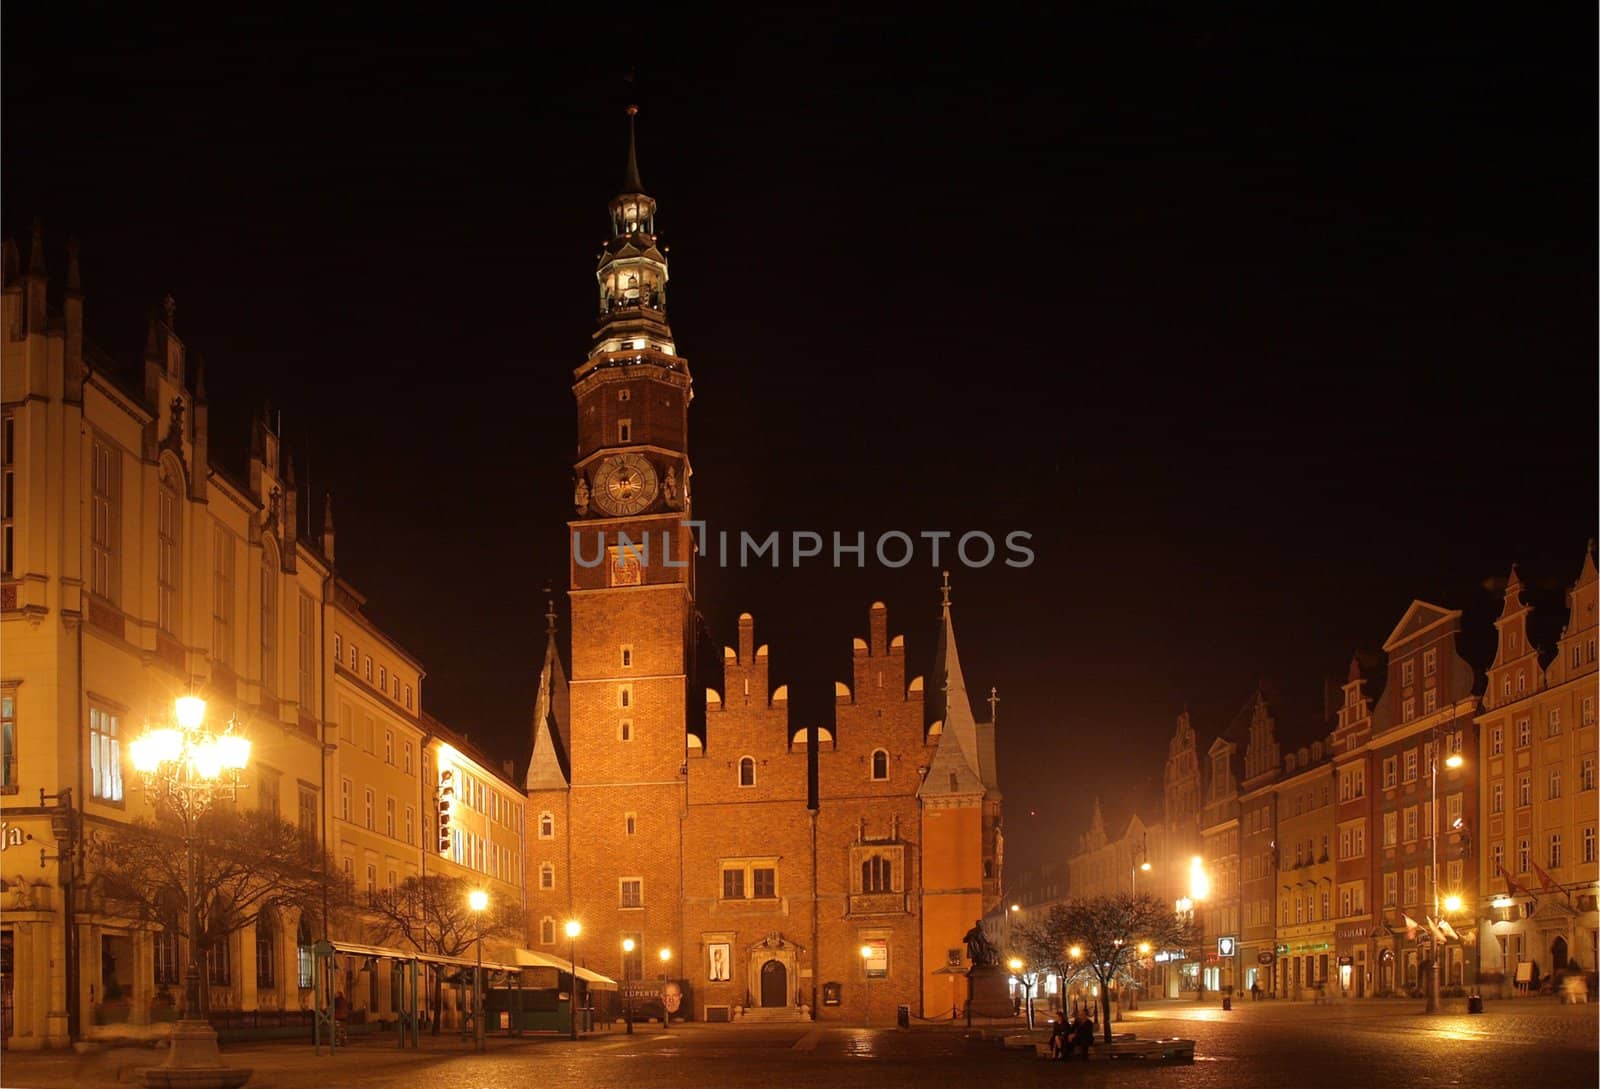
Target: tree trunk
438, 1000
1105, 1010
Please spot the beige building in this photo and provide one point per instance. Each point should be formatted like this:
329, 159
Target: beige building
136, 569
1536, 743
1307, 900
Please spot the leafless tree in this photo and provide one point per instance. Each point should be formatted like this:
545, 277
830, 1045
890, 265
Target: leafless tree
247, 862
1106, 932
433, 915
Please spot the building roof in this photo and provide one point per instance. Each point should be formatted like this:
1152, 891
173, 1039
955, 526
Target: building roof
547, 766
954, 770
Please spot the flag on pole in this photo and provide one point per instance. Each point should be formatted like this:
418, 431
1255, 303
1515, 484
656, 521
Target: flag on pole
1448, 931
1513, 886
1545, 880
1411, 926
1433, 929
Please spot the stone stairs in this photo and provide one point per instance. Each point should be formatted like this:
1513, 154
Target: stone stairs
774, 1015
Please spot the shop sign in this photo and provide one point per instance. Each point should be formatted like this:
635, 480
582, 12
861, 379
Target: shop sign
1352, 933
1282, 949
1264, 957
12, 836
1225, 946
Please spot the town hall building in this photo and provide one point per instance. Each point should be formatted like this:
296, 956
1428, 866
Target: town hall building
774, 869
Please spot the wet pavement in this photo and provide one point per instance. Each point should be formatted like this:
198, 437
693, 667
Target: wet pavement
1381, 1044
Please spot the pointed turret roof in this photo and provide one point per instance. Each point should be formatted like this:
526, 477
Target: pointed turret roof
630, 179
955, 763
547, 764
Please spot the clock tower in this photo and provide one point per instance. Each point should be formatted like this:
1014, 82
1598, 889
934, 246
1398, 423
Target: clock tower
632, 598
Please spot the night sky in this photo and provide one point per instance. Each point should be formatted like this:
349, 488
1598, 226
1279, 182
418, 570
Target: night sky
1262, 325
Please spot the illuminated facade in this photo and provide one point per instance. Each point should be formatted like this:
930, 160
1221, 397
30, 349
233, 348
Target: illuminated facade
764, 855
137, 567
1537, 867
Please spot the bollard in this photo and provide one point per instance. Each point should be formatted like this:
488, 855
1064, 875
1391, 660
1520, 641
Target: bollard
1475, 1003
1227, 1002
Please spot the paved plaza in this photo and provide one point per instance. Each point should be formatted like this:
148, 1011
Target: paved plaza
1370, 1045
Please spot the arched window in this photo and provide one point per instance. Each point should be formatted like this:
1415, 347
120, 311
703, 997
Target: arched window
547, 826
303, 954
547, 931
269, 617
747, 771
880, 764
169, 557
877, 875
266, 950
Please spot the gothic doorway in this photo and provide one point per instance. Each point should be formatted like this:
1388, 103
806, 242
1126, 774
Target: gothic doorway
774, 984
1558, 954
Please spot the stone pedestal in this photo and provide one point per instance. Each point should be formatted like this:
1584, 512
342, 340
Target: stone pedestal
988, 991
194, 1062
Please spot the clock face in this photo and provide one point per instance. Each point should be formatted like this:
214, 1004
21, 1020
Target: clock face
625, 484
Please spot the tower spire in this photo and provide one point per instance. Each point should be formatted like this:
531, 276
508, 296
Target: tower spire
630, 180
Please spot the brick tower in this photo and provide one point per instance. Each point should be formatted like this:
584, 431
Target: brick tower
618, 859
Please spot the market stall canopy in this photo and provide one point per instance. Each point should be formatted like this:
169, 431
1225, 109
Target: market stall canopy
528, 958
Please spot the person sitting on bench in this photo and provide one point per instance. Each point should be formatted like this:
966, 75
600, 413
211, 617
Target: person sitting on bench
1060, 1033
1083, 1034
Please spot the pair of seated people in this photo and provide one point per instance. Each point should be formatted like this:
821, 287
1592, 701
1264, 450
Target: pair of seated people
1067, 1036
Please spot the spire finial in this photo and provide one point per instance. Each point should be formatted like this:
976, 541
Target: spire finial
74, 282
549, 612
994, 699
630, 180
945, 590
36, 253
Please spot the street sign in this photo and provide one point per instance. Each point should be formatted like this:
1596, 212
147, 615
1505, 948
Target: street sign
1225, 946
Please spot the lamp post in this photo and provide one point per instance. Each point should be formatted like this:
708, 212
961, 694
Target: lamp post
666, 1014
627, 949
1143, 865
1017, 969
189, 768
479, 900
866, 975
573, 930
1452, 761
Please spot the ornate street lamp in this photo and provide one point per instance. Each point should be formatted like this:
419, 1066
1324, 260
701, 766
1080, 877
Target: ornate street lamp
866, 975
1453, 761
188, 768
627, 951
666, 1014
479, 900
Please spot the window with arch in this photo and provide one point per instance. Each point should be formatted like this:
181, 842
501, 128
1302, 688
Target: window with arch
266, 950
747, 771
877, 875
547, 931
880, 764
269, 617
303, 955
547, 875
547, 826
168, 556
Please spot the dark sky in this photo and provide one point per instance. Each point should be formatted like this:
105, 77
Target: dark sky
1262, 324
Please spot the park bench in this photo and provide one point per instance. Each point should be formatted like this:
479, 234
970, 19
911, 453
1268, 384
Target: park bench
1127, 1046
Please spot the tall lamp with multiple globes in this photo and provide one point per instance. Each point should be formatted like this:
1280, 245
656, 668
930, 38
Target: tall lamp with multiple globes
188, 768
573, 930
478, 899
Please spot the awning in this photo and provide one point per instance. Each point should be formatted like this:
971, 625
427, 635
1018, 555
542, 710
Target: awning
529, 958
386, 953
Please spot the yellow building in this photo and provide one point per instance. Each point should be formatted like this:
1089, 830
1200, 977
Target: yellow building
1537, 868
135, 569
1305, 873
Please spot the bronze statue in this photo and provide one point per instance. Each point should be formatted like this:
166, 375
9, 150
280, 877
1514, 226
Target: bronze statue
980, 950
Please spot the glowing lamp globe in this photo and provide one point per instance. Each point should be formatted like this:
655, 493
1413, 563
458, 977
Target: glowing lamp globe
478, 899
191, 711
1452, 903
573, 929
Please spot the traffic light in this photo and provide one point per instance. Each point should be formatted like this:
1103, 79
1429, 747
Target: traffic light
447, 792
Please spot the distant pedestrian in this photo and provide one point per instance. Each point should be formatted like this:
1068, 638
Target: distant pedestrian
1255, 990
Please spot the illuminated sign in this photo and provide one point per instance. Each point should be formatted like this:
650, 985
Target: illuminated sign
1225, 946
